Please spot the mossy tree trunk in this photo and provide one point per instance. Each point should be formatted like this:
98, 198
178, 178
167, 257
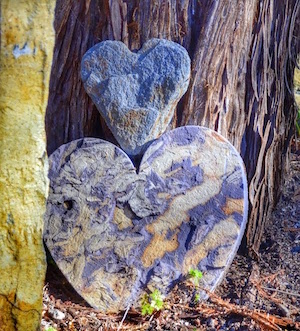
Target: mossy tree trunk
242, 52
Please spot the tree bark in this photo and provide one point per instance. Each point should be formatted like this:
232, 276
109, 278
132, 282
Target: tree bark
243, 57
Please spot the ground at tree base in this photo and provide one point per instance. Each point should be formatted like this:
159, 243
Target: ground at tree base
255, 295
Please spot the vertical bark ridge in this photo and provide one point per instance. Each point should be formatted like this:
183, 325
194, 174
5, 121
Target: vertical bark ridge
270, 117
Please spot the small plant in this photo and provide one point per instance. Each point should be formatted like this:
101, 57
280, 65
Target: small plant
152, 302
197, 298
196, 275
51, 329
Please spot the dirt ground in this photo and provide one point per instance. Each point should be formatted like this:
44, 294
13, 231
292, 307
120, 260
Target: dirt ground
261, 294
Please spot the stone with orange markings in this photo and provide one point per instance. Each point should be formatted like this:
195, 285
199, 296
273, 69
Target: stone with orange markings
116, 233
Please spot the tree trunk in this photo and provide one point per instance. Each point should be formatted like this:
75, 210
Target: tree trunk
242, 52
27, 40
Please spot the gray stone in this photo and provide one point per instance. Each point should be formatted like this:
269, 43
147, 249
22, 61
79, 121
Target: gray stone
116, 233
136, 93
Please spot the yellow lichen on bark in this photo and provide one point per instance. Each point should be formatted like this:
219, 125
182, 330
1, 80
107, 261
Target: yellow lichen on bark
27, 40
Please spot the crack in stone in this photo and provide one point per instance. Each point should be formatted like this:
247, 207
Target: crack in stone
19, 309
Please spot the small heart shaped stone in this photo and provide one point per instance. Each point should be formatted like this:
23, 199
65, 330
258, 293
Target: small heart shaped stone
136, 93
116, 233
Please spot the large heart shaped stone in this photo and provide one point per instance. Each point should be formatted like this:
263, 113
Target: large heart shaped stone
136, 93
115, 233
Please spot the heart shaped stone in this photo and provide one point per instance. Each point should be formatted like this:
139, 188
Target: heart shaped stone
136, 93
116, 234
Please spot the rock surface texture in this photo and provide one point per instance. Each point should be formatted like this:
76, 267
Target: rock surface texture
136, 93
27, 40
116, 233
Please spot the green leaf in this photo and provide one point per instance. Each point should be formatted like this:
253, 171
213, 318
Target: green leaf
197, 298
147, 309
196, 275
152, 302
